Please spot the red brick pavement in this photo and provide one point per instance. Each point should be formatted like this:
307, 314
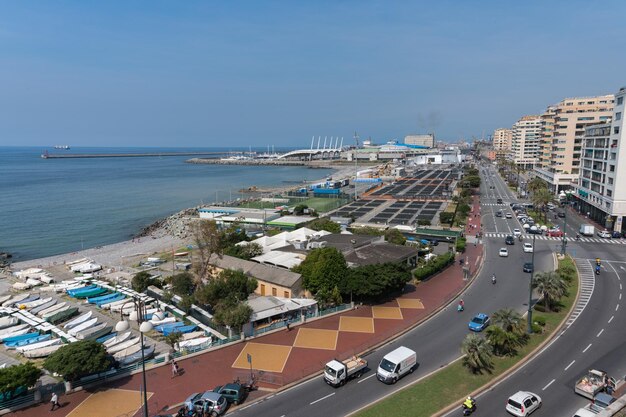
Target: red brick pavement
206, 371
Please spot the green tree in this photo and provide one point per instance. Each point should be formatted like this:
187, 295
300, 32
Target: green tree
446, 217
551, 287
247, 251
233, 314
540, 199
299, 209
478, 354
208, 239
373, 282
229, 285
173, 338
141, 281
536, 184
182, 284
503, 342
323, 269
17, 376
395, 236
78, 359
367, 230
324, 223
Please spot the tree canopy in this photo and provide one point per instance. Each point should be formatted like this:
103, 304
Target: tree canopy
371, 282
141, 281
324, 223
14, 377
395, 236
78, 359
209, 241
182, 284
247, 251
323, 269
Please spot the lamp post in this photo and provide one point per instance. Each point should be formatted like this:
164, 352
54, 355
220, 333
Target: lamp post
138, 315
566, 195
530, 285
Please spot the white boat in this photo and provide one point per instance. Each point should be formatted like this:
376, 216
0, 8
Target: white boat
128, 351
21, 286
93, 332
42, 352
116, 340
78, 320
8, 322
49, 314
33, 346
12, 329
34, 282
112, 304
36, 303
4, 298
194, 343
164, 321
83, 326
124, 345
193, 335
118, 307
38, 309
15, 299
52, 308
15, 333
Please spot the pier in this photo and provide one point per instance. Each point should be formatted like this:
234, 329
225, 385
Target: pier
47, 155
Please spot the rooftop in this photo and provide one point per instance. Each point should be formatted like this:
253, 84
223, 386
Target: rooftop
278, 276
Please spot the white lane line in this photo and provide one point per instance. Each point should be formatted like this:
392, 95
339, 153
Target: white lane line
611, 319
587, 348
601, 331
568, 366
323, 398
620, 296
365, 379
546, 387
617, 307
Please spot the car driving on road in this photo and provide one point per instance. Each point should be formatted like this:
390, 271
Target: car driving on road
517, 232
604, 234
523, 403
555, 233
504, 252
528, 247
479, 322
528, 267
509, 240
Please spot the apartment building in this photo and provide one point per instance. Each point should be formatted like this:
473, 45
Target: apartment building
502, 142
526, 134
601, 188
563, 128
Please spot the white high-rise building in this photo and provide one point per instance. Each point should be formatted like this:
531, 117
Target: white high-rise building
525, 141
601, 189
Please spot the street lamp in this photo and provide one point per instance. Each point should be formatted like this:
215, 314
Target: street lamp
566, 195
533, 230
138, 315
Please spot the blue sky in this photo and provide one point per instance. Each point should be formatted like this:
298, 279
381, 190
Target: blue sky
237, 73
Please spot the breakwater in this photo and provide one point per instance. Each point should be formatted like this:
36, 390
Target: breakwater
47, 155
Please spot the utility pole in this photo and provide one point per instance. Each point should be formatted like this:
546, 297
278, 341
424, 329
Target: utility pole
356, 164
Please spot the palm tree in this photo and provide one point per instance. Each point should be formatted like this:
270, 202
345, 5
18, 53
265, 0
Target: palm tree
503, 342
551, 286
540, 199
536, 184
478, 352
508, 320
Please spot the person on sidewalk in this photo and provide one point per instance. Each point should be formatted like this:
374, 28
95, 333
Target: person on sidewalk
175, 370
54, 401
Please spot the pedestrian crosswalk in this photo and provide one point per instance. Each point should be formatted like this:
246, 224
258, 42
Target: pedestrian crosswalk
559, 239
494, 204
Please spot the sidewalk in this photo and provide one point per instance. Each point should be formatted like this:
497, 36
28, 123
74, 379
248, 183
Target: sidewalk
284, 356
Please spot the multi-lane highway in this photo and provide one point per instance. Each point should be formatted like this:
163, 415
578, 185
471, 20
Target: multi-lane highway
437, 341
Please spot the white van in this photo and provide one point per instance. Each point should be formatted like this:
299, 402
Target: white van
396, 364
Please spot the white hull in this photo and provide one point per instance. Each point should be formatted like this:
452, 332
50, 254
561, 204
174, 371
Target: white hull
116, 340
83, 326
36, 303
15, 299
194, 343
128, 351
42, 352
16, 333
12, 329
52, 308
8, 322
123, 346
85, 334
53, 312
33, 346
164, 321
78, 320
192, 335
112, 304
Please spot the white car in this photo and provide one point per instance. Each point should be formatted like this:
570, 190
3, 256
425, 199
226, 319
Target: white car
509, 216
503, 252
523, 403
528, 247
516, 232
604, 234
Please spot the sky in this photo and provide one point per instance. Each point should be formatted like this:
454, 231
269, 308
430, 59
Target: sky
257, 73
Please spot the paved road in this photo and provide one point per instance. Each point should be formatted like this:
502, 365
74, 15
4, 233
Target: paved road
437, 342
593, 337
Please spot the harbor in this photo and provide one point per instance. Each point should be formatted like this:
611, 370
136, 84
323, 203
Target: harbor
47, 155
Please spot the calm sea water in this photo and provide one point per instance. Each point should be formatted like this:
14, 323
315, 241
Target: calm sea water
49, 207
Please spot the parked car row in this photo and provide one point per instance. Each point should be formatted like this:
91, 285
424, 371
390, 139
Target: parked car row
215, 402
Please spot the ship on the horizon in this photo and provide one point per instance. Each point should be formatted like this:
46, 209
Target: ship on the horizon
64, 147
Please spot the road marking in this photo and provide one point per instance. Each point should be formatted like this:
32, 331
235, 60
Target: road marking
617, 307
620, 296
611, 319
601, 331
365, 379
620, 286
549, 383
587, 348
568, 366
323, 398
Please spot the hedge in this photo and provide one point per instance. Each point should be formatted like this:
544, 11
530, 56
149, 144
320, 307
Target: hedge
433, 266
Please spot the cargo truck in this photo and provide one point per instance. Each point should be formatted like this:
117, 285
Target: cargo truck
337, 373
593, 383
396, 364
586, 230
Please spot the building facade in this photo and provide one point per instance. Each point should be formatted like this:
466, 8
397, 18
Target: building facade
525, 141
563, 128
427, 140
601, 187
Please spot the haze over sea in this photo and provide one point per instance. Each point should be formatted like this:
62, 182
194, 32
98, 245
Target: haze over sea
55, 206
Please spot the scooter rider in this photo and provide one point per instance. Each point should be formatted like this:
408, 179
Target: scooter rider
469, 404
493, 279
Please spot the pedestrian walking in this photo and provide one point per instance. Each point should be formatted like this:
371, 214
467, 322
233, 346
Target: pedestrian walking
175, 370
286, 320
54, 401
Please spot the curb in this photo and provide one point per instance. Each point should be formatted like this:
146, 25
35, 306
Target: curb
491, 384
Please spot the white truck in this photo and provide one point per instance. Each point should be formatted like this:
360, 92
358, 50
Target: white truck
592, 383
337, 373
396, 364
586, 230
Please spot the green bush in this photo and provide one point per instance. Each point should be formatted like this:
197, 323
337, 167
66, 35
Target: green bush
537, 328
433, 266
461, 244
540, 320
446, 217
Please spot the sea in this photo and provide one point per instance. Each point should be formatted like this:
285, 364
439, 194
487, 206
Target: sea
55, 206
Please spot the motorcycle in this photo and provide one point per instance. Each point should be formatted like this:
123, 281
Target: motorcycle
493, 280
598, 270
467, 411
577, 237
460, 308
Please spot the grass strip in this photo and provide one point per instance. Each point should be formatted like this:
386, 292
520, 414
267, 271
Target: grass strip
455, 381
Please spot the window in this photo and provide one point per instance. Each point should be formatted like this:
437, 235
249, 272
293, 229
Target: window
274, 292
609, 193
616, 130
262, 289
286, 294
610, 181
620, 101
611, 168
618, 116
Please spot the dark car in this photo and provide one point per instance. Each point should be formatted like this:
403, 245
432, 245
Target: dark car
234, 393
536, 231
528, 267
499, 201
561, 214
498, 214
616, 235
509, 240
